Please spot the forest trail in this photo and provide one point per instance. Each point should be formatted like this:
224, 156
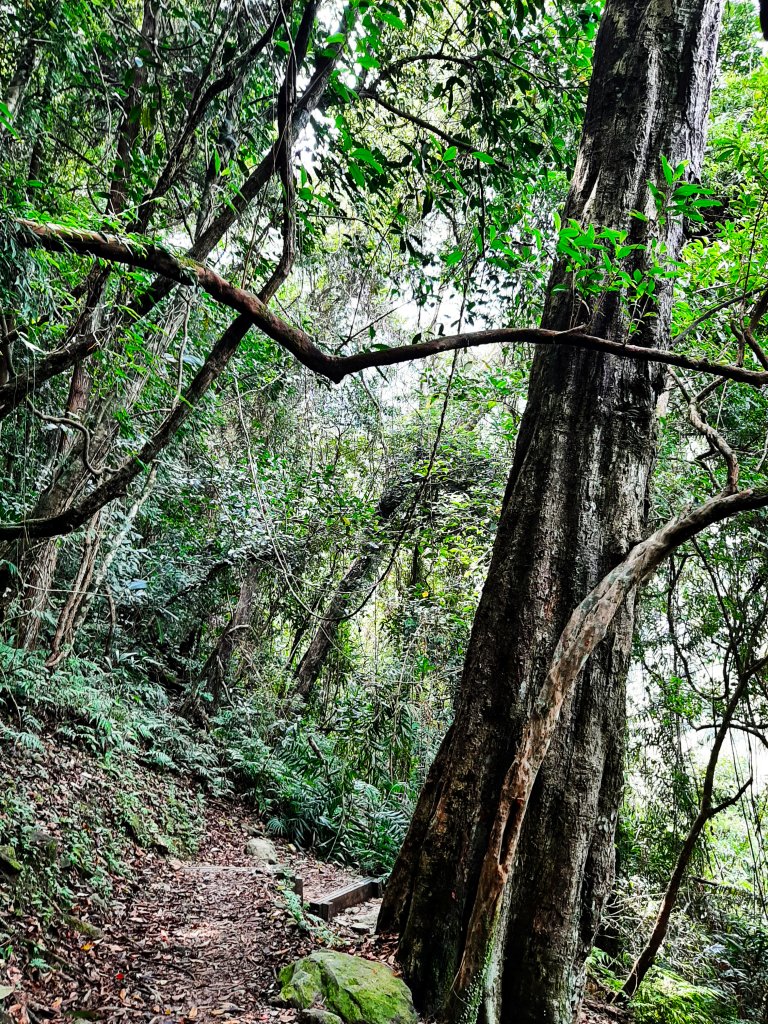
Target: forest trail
201, 940
198, 940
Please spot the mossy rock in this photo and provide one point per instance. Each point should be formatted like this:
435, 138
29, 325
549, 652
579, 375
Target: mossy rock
83, 927
44, 846
358, 991
316, 1015
9, 865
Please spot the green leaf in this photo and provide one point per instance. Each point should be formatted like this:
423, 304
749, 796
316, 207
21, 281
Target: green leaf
365, 60
484, 158
392, 19
450, 154
367, 157
689, 190
6, 117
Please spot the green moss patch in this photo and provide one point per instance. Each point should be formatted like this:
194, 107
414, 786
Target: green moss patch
359, 991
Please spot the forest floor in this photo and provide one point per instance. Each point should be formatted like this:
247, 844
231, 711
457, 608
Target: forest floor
198, 939
195, 940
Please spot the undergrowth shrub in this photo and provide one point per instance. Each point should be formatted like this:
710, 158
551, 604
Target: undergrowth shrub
327, 789
309, 791
667, 998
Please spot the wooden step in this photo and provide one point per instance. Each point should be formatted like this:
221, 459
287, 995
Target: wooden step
341, 899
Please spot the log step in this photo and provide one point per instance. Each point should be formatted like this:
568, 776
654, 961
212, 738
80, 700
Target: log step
342, 899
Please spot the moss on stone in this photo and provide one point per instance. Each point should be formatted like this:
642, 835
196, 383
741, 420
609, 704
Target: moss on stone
9, 864
301, 983
358, 991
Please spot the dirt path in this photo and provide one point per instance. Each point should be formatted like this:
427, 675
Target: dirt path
200, 940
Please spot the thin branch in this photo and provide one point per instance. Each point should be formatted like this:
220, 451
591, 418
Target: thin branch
707, 811
731, 800
724, 304
198, 108
286, 105
715, 438
758, 312
264, 170
404, 115
68, 421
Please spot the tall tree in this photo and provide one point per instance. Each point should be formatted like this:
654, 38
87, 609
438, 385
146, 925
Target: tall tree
575, 502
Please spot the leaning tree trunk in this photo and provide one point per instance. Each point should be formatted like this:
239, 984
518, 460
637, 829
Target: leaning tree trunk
324, 637
37, 562
217, 666
707, 811
575, 502
87, 581
345, 597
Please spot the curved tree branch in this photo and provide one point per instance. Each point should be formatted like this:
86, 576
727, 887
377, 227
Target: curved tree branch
586, 627
117, 484
186, 272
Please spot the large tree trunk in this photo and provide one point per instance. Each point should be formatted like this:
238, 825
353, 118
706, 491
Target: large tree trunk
574, 504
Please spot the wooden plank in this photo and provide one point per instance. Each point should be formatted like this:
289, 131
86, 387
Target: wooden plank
350, 896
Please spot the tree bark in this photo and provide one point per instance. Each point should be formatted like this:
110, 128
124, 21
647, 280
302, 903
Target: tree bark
37, 564
575, 502
87, 582
217, 666
65, 624
187, 273
587, 627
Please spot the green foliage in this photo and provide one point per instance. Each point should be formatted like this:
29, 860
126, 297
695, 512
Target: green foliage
427, 183
310, 787
101, 708
666, 998
307, 922
72, 841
